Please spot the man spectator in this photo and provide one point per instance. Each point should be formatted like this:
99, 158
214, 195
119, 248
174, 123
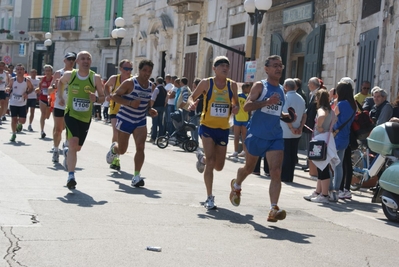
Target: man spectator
292, 131
182, 95
170, 108
4, 81
363, 94
382, 111
158, 102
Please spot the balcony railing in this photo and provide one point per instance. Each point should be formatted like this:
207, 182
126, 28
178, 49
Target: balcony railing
40, 25
7, 4
181, 2
68, 23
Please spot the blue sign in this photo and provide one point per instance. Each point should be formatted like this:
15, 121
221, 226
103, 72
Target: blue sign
22, 50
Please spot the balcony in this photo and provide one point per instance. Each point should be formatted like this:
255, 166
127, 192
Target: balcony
186, 6
13, 36
68, 25
39, 26
7, 4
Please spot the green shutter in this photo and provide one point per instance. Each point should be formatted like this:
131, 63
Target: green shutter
119, 9
74, 7
9, 24
107, 18
46, 15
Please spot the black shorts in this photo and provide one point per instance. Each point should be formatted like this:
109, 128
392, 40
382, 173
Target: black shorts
31, 103
76, 128
18, 111
58, 112
112, 116
3, 95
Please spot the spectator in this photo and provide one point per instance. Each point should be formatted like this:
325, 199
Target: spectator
170, 108
363, 94
380, 112
158, 102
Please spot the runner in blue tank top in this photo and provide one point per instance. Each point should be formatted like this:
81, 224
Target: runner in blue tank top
134, 95
265, 136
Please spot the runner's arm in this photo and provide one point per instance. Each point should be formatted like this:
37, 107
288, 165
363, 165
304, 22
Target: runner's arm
252, 104
99, 88
125, 88
54, 82
202, 87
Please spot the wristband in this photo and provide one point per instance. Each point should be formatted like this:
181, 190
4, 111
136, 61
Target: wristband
96, 99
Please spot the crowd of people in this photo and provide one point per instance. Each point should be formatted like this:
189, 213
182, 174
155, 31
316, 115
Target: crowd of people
268, 118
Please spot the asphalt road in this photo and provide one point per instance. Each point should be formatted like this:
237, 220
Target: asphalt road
106, 222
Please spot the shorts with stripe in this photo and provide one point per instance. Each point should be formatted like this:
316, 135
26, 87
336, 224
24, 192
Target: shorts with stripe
128, 127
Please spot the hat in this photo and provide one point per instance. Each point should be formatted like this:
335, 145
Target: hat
348, 80
70, 55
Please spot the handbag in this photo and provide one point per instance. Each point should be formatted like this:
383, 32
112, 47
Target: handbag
318, 148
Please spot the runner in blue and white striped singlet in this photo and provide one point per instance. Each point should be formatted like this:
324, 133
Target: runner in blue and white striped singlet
129, 118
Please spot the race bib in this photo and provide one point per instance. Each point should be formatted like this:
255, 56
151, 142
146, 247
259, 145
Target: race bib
274, 110
45, 91
80, 104
220, 110
17, 97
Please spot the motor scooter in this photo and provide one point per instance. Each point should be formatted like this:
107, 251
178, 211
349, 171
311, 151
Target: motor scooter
384, 139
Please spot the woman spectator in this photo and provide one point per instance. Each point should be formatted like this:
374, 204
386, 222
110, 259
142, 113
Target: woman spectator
324, 118
345, 111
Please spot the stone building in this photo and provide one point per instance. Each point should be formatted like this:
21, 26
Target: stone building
324, 38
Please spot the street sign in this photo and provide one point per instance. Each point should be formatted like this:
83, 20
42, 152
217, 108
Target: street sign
250, 71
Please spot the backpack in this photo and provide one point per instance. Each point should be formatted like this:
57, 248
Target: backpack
362, 124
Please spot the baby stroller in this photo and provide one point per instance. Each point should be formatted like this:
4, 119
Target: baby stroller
179, 136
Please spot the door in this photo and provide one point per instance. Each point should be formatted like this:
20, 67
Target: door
190, 63
237, 64
279, 47
366, 58
313, 55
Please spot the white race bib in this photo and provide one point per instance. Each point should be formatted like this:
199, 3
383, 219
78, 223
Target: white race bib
45, 91
220, 110
80, 104
17, 98
274, 110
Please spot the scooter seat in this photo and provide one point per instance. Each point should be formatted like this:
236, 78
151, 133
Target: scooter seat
392, 129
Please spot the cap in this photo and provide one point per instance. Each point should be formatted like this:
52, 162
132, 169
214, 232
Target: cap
70, 55
348, 80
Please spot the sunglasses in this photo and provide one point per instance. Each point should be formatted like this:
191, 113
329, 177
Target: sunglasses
366, 88
71, 59
127, 69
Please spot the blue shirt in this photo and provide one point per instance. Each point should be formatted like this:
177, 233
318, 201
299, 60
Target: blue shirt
345, 112
265, 122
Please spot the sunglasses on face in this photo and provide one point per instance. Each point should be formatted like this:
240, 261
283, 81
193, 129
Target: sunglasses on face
127, 69
71, 59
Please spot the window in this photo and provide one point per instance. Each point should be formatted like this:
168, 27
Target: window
192, 39
238, 30
370, 7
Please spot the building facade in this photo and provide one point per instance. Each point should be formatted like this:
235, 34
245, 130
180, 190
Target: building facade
327, 39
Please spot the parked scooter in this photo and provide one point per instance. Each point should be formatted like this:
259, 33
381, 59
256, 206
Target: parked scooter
384, 139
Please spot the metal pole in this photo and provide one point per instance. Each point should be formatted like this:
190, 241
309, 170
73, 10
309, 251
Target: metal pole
255, 35
118, 43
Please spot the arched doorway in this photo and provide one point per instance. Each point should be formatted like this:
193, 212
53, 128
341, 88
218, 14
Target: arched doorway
297, 57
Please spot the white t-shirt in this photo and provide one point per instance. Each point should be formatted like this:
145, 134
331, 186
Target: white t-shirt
170, 87
35, 82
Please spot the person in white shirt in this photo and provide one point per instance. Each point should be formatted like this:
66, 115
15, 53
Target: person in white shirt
32, 98
170, 108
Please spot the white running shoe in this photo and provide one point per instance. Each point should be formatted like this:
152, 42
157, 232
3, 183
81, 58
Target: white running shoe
56, 156
233, 155
111, 155
309, 197
137, 181
320, 199
210, 203
332, 196
200, 165
241, 154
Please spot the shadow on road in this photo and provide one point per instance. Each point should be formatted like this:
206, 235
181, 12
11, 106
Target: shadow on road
81, 199
121, 174
124, 188
273, 232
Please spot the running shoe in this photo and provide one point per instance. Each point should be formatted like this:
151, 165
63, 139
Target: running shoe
235, 194
1, 122
111, 155
137, 181
13, 137
43, 135
309, 197
3, 118
115, 164
241, 154
200, 166
30, 129
65, 163
320, 199
276, 214
71, 183
19, 127
56, 156
346, 194
210, 203
233, 155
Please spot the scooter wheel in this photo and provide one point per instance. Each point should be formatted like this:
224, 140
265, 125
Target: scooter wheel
391, 214
162, 141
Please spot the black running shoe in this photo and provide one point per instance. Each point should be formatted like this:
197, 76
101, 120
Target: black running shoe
71, 184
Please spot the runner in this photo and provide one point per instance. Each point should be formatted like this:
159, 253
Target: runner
32, 97
58, 112
4, 81
43, 97
125, 68
220, 100
19, 88
134, 95
82, 85
265, 135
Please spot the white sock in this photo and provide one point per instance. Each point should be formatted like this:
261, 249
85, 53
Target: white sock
236, 186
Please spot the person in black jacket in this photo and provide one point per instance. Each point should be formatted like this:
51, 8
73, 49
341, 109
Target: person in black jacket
158, 102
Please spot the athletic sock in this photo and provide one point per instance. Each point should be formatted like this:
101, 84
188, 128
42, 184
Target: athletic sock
136, 173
